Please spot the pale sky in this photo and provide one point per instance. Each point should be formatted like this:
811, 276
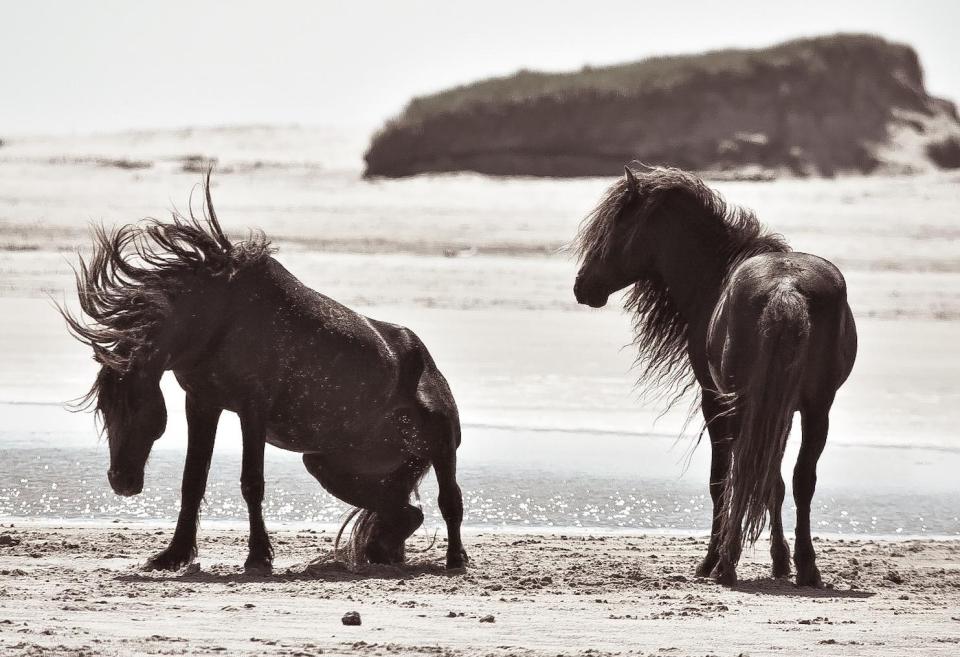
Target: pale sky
80, 67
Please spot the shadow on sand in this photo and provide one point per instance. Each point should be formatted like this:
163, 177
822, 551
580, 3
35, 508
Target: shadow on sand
785, 587
320, 570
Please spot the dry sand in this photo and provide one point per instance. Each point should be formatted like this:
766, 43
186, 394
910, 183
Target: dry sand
78, 590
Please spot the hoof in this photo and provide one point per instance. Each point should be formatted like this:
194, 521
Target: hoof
706, 566
780, 570
780, 555
258, 567
457, 560
726, 576
809, 577
384, 558
168, 560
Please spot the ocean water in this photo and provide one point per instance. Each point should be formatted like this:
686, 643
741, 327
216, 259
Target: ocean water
512, 479
555, 435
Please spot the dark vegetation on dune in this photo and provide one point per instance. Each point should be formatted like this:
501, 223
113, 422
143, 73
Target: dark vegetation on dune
945, 153
814, 106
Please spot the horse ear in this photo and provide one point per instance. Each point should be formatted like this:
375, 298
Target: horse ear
630, 179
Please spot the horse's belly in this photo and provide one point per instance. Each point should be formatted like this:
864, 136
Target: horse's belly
326, 435
312, 437
370, 462
292, 442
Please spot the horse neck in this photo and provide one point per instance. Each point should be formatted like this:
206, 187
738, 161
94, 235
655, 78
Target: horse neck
691, 261
196, 315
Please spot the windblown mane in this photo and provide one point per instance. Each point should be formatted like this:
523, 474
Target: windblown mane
659, 328
127, 287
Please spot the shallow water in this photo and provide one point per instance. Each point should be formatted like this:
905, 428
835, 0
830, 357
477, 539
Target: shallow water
510, 478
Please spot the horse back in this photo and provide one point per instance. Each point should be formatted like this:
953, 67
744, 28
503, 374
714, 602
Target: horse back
307, 359
382, 354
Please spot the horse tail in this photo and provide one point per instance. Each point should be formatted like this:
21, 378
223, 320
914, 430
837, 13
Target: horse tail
764, 408
361, 534
346, 521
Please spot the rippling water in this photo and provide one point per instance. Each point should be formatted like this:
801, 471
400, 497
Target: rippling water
510, 478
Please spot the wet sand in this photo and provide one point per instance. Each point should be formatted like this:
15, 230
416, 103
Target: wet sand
79, 590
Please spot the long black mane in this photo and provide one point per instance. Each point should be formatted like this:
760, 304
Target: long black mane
134, 273
660, 329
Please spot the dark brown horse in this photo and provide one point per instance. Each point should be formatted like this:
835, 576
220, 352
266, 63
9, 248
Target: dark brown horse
763, 330
361, 399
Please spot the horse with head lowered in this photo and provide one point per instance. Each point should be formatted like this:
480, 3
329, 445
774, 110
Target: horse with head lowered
361, 399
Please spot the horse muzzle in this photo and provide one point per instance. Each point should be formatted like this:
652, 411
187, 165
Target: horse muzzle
125, 484
589, 295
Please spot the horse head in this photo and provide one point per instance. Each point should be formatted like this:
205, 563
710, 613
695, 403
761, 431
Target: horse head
134, 416
610, 246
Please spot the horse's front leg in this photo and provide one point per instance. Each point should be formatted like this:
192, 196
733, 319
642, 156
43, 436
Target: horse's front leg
201, 431
260, 554
718, 426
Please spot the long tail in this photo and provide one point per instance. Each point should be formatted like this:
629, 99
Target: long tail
764, 408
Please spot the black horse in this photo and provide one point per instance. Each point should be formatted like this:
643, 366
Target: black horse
764, 332
361, 399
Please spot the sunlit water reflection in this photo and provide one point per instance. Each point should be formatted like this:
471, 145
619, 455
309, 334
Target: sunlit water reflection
623, 483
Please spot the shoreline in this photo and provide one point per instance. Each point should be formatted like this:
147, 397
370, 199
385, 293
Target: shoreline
223, 525
79, 590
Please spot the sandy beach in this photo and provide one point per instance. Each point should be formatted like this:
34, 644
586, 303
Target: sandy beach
69, 590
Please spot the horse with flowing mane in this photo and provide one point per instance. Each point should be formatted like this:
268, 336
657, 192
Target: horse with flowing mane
361, 399
765, 332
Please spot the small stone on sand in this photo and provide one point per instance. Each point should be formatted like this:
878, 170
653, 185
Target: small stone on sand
351, 618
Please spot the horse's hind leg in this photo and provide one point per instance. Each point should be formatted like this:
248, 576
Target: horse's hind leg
815, 423
779, 548
450, 498
201, 431
731, 544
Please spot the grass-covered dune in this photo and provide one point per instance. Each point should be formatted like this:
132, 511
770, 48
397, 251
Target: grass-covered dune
818, 106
